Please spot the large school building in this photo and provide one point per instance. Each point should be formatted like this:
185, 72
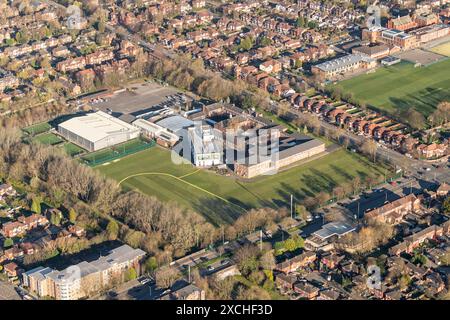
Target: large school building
98, 130
342, 65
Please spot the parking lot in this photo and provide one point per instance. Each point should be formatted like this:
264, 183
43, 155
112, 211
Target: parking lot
135, 97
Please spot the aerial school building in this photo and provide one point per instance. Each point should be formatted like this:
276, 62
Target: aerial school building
342, 65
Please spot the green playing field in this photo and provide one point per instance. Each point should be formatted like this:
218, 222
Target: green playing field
222, 199
38, 128
48, 138
398, 87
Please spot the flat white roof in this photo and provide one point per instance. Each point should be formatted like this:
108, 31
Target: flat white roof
97, 126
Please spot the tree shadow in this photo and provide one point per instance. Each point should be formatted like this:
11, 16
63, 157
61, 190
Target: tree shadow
217, 211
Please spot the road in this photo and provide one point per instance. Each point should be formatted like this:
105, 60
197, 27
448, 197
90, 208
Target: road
193, 259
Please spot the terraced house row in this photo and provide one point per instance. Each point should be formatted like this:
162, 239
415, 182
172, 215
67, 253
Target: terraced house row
368, 123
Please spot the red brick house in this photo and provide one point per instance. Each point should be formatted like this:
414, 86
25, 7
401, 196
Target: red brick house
296, 262
306, 290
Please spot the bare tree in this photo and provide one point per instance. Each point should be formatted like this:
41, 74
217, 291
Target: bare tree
166, 277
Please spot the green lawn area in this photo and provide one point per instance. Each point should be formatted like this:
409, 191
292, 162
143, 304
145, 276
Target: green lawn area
72, 149
219, 198
398, 87
37, 128
48, 139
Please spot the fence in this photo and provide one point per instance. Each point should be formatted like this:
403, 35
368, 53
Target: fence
116, 152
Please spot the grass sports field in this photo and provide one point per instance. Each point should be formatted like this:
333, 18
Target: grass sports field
222, 199
395, 88
117, 151
38, 128
48, 139
72, 149
443, 49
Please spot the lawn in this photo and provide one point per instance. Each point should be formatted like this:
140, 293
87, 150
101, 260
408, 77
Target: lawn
222, 199
48, 139
398, 87
443, 49
37, 128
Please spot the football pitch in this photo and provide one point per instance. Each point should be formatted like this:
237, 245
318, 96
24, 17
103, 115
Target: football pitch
398, 87
222, 199
48, 139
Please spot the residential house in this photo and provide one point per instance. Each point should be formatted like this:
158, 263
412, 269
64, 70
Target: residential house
393, 212
296, 262
306, 290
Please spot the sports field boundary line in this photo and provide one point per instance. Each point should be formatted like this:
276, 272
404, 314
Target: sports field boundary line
184, 181
189, 174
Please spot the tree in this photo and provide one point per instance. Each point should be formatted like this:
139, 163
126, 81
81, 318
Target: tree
166, 277
268, 261
404, 281
419, 259
290, 244
72, 215
312, 24
112, 230
322, 197
446, 205
369, 148
415, 119
441, 115
247, 258
339, 192
302, 212
130, 274
36, 205
265, 41
279, 248
151, 264
356, 184
246, 43
8, 243
300, 22
55, 218
299, 242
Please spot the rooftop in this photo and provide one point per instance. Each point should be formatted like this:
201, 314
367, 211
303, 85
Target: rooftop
338, 228
175, 123
116, 256
343, 62
97, 126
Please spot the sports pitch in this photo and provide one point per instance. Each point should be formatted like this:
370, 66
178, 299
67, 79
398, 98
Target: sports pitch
38, 128
222, 199
48, 139
72, 149
398, 87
